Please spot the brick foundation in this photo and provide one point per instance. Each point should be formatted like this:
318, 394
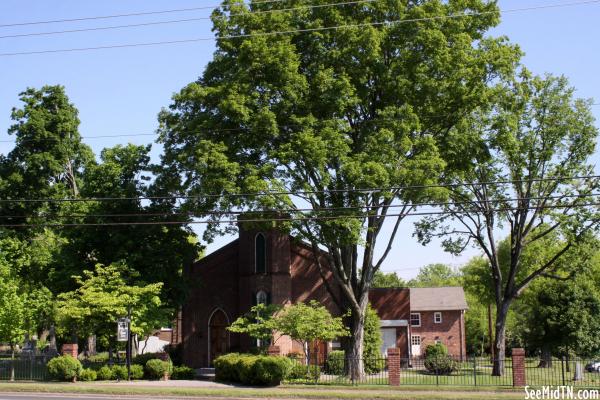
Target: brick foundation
394, 366
518, 367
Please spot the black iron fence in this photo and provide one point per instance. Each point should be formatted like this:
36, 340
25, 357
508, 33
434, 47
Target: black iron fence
32, 368
451, 371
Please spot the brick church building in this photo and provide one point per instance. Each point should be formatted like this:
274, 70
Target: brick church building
274, 267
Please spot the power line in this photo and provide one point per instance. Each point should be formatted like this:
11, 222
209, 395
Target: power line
264, 220
300, 210
286, 126
301, 193
177, 21
136, 14
306, 30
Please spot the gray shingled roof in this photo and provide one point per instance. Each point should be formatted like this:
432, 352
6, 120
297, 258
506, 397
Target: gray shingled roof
437, 299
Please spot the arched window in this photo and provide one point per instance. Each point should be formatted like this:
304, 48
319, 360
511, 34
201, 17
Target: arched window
260, 254
262, 297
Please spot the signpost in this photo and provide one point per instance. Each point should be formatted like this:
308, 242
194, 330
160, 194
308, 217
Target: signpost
124, 335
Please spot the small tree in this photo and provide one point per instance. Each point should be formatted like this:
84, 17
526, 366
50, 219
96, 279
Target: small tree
307, 323
103, 296
12, 316
258, 323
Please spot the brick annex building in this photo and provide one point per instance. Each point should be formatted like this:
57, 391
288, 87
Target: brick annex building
274, 267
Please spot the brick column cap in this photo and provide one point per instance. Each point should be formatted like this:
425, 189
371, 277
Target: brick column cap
518, 351
393, 351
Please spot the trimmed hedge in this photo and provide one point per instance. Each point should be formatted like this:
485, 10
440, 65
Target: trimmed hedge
156, 369
142, 359
64, 368
87, 375
251, 369
137, 371
105, 373
119, 372
183, 373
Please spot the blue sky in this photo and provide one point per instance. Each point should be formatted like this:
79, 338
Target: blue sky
120, 91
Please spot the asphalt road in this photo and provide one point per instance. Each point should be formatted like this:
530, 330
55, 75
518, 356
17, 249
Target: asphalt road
47, 396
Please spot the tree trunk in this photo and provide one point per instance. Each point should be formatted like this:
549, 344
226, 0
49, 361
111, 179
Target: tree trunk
546, 358
12, 363
91, 345
52, 349
356, 368
500, 339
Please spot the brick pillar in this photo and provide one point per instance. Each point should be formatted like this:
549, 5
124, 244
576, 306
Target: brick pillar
70, 349
518, 367
393, 359
274, 351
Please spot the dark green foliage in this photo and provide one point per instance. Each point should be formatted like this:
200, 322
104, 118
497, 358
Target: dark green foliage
175, 353
64, 368
105, 373
87, 374
335, 362
156, 369
437, 360
372, 343
183, 373
120, 372
252, 370
137, 371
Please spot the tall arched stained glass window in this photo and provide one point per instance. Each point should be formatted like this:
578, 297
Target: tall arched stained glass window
260, 254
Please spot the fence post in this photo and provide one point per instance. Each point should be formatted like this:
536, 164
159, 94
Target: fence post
518, 367
70, 349
562, 367
394, 366
475, 371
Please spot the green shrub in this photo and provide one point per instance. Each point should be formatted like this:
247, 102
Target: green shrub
335, 362
226, 368
269, 370
302, 373
87, 374
437, 360
120, 372
156, 369
183, 373
137, 371
251, 369
105, 373
64, 368
98, 358
373, 360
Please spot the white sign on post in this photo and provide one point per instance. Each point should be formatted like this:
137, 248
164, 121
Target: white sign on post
122, 330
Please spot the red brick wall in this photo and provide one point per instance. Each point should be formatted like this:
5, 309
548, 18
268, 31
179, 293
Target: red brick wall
450, 331
213, 283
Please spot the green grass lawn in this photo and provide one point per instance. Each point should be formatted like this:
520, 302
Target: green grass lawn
300, 392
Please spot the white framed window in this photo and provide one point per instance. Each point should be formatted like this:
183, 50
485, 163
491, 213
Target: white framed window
437, 317
415, 340
415, 319
261, 297
438, 341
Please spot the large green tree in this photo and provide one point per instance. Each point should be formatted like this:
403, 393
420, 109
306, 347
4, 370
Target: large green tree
537, 139
330, 114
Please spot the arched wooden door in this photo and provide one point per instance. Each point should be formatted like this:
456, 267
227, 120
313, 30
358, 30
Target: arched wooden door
218, 343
